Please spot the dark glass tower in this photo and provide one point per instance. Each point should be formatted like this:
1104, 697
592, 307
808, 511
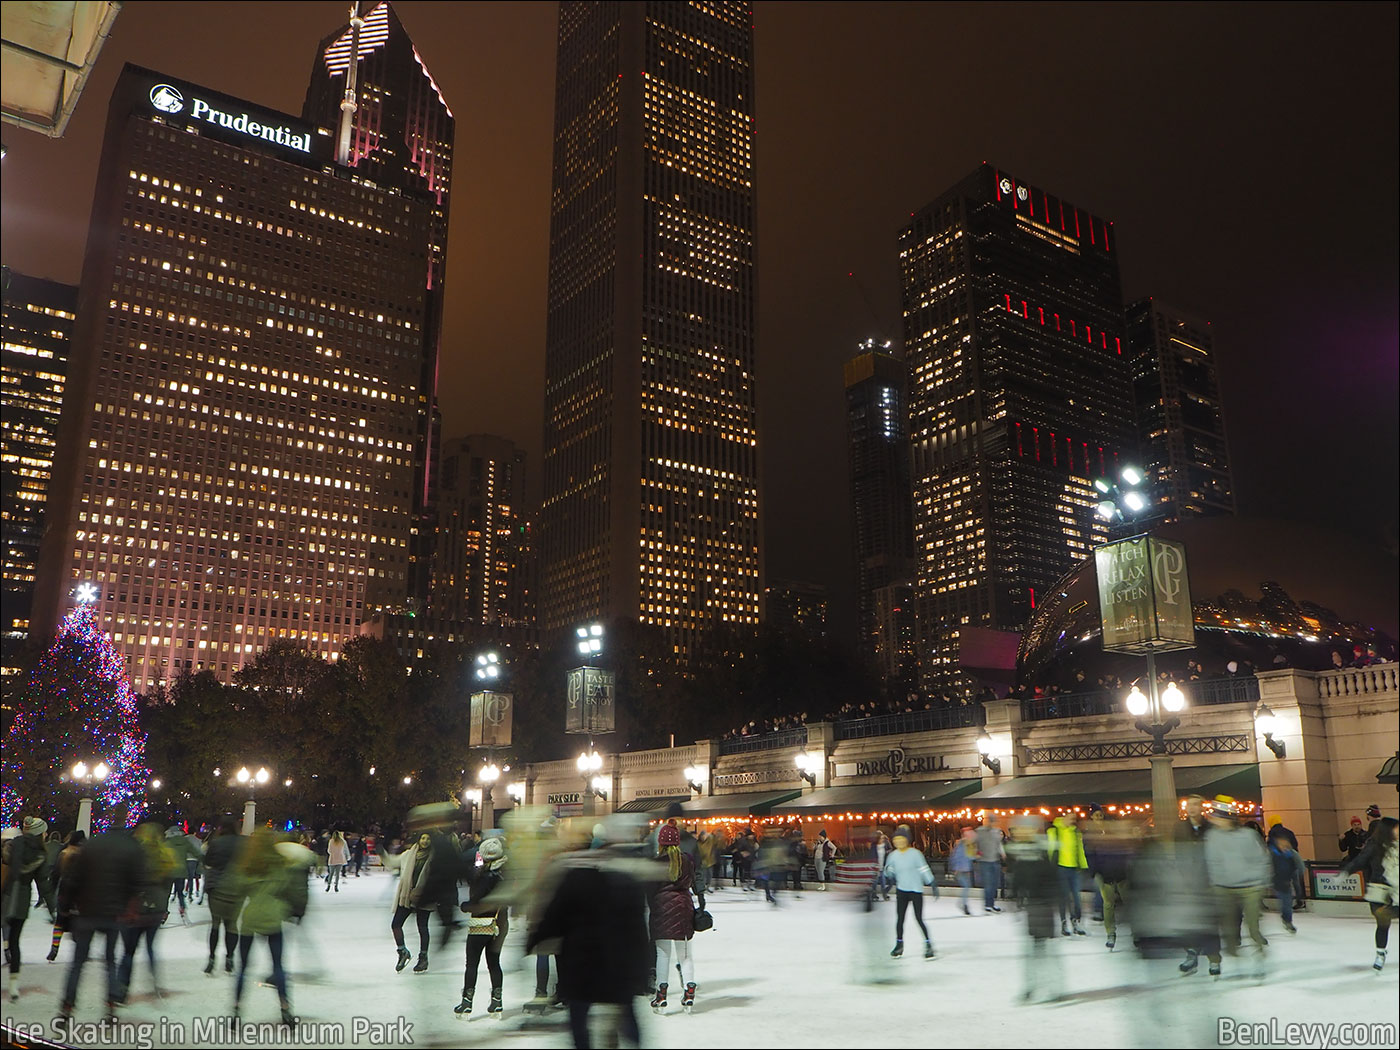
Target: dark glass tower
877, 426
400, 135
1181, 426
236, 462
1018, 400
651, 490
38, 323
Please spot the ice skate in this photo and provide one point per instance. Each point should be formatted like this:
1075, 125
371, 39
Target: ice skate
463, 1008
404, 956
14, 987
496, 1006
898, 950
1112, 940
288, 1018
658, 1001
1193, 960
209, 966
1379, 964
688, 1000
1215, 969
1064, 928
421, 966
929, 953
1079, 929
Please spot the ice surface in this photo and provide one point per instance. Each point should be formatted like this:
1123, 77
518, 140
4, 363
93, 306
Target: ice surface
813, 969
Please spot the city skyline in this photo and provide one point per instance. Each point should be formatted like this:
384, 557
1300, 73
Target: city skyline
1205, 227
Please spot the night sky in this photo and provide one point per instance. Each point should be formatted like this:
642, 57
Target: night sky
1245, 152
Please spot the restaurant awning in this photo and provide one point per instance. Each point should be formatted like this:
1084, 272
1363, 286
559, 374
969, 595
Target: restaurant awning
651, 805
744, 804
876, 798
1117, 785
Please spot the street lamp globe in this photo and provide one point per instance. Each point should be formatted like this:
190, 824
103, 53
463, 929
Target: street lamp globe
79, 770
1265, 721
490, 773
1132, 475
1137, 703
262, 776
242, 776
1173, 699
100, 771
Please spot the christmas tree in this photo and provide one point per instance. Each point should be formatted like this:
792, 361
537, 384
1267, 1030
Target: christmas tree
77, 706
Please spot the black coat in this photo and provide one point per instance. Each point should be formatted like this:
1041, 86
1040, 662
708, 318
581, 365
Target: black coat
598, 916
107, 877
1371, 860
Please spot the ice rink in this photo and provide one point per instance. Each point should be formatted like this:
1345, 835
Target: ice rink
812, 971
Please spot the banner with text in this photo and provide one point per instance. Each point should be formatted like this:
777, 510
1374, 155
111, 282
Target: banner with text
590, 706
1144, 596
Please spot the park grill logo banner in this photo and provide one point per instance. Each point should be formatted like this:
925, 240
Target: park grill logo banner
492, 715
591, 708
895, 765
1144, 596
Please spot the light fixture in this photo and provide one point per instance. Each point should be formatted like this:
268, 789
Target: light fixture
984, 748
490, 773
488, 667
695, 777
100, 771
589, 762
807, 766
80, 770
1267, 723
155, 784
1137, 702
1103, 486
590, 639
407, 781
1107, 510
600, 787
472, 796
242, 775
263, 776
1132, 475
516, 790
1134, 501
1173, 699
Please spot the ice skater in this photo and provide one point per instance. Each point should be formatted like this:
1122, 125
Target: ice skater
673, 919
487, 927
910, 873
412, 898
1381, 863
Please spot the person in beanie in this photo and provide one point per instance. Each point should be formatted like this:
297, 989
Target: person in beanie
24, 857
487, 927
673, 919
1381, 863
1373, 814
910, 873
824, 857
1354, 841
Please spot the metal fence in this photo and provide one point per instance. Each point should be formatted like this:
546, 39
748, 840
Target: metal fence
1077, 705
764, 742
910, 722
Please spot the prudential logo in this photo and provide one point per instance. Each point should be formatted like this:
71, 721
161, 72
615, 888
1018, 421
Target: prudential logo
166, 99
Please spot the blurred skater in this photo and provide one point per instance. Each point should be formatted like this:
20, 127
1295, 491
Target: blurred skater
1285, 865
960, 862
221, 892
673, 919
1038, 889
907, 869
151, 907
1066, 846
1239, 870
1379, 861
337, 856
64, 871
1110, 851
824, 859
25, 856
270, 879
991, 853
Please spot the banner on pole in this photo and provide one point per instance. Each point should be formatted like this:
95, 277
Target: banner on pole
492, 715
1144, 596
590, 708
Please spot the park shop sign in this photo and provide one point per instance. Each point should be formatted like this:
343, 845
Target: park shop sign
895, 765
174, 101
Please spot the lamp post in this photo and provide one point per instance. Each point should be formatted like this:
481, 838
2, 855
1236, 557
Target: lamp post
490, 773
252, 781
1148, 711
87, 775
589, 763
807, 766
1266, 722
695, 779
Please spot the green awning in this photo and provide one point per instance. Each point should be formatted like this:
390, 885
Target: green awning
870, 798
652, 805
1118, 785
744, 804
1390, 772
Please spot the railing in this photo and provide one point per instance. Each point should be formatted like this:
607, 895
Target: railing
764, 742
1191, 745
1358, 681
1202, 693
910, 722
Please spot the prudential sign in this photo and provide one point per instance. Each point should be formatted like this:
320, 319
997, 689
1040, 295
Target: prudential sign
171, 100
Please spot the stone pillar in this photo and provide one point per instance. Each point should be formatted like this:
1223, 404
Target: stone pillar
707, 757
1297, 788
529, 785
1003, 725
85, 816
821, 741
1164, 797
250, 816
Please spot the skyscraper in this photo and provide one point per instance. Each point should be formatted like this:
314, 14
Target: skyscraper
238, 454
1018, 400
399, 134
877, 427
1181, 426
651, 489
38, 324
482, 534
797, 607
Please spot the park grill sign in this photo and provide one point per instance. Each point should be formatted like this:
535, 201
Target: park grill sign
1144, 596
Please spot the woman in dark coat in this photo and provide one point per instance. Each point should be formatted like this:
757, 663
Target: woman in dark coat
486, 931
673, 918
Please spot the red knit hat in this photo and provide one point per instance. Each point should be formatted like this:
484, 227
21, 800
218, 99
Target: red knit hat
669, 836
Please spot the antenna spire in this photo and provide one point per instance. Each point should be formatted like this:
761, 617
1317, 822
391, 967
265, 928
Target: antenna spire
348, 104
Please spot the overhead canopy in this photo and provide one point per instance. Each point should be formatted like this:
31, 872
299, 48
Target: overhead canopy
651, 805
1390, 772
745, 804
1118, 785
871, 798
48, 51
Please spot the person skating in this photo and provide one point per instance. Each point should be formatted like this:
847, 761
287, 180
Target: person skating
910, 873
185, 855
880, 849
1284, 869
24, 858
357, 853
960, 862
487, 927
672, 922
151, 906
1239, 869
414, 866
1380, 862
270, 883
1280, 833
1110, 852
1354, 841
1066, 848
824, 858
221, 893
991, 854
1038, 890
72, 846
337, 856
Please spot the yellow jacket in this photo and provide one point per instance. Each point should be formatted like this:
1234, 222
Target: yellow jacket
1065, 843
